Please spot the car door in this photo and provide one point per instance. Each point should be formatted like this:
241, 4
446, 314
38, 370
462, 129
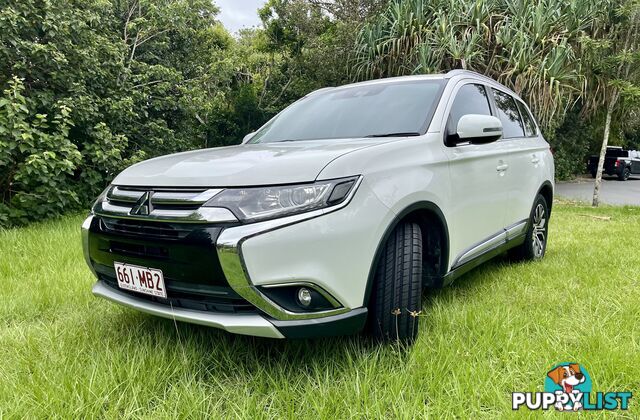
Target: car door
525, 146
635, 161
478, 183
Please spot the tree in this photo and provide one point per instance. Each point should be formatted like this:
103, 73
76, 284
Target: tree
88, 87
310, 45
612, 51
528, 46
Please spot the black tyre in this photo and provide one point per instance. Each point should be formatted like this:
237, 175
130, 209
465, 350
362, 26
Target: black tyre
593, 174
397, 290
535, 243
626, 173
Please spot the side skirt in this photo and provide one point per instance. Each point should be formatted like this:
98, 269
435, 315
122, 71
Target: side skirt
490, 253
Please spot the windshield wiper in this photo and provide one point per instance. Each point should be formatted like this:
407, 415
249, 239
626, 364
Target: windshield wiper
401, 134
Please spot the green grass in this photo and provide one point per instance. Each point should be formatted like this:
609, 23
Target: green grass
497, 330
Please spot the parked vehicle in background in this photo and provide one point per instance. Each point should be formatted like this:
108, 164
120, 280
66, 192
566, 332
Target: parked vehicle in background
334, 215
617, 161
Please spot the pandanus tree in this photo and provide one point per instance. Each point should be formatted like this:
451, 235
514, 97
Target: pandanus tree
611, 53
530, 46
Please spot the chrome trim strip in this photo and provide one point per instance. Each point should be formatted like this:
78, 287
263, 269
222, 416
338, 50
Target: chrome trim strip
184, 198
176, 197
127, 196
229, 247
502, 237
84, 232
479, 248
200, 215
516, 229
247, 324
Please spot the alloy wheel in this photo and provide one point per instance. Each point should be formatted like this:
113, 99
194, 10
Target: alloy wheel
539, 236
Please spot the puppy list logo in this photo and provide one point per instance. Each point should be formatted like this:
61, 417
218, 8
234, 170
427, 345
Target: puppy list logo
568, 387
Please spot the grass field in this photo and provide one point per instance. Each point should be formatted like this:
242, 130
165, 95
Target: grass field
497, 330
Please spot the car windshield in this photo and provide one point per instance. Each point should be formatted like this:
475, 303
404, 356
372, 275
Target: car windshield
371, 110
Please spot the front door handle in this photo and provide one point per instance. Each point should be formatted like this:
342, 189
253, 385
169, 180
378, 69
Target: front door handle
502, 167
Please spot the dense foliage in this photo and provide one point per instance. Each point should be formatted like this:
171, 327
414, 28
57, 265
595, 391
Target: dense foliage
92, 86
88, 87
559, 55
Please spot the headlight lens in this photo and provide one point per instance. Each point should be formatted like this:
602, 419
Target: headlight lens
262, 203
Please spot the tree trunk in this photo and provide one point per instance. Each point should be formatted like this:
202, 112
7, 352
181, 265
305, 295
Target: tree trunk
603, 150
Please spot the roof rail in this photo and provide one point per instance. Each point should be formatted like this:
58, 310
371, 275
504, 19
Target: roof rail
461, 72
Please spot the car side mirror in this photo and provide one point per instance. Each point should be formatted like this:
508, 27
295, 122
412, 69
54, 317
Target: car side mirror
248, 137
479, 129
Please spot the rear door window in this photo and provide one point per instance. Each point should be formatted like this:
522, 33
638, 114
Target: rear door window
509, 115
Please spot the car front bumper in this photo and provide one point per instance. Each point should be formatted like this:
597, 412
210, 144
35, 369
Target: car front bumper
313, 248
246, 324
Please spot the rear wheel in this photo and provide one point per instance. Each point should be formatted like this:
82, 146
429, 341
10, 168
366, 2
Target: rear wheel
626, 173
535, 243
397, 293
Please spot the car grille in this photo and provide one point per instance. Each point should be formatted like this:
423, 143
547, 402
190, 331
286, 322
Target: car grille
185, 252
161, 198
143, 228
162, 204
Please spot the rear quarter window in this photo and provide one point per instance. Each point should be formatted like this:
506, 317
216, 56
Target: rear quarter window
530, 127
509, 115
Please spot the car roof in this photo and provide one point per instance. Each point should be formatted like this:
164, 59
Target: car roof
458, 74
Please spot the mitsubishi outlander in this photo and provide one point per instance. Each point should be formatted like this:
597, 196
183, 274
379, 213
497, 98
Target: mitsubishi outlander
332, 217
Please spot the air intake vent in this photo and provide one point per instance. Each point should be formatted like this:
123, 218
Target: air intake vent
146, 229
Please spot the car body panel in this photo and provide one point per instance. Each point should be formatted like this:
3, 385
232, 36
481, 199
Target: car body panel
242, 165
342, 244
401, 173
532, 165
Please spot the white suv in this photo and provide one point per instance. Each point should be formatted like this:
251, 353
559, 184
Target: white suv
334, 215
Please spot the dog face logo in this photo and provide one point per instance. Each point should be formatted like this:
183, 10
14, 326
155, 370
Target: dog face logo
567, 376
570, 380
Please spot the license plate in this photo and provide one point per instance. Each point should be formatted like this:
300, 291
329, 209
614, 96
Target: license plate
140, 279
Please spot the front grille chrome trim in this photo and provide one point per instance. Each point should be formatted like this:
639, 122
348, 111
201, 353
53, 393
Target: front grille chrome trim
162, 205
162, 196
199, 215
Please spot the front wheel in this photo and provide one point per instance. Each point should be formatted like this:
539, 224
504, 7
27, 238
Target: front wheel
397, 292
535, 243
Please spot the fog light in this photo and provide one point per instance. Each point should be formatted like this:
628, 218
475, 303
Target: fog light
304, 296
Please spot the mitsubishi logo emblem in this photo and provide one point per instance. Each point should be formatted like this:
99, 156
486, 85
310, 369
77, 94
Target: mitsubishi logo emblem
143, 206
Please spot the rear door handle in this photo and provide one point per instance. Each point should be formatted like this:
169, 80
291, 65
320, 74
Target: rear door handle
502, 167
535, 159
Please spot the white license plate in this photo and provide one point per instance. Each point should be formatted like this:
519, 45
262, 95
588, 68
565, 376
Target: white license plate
140, 279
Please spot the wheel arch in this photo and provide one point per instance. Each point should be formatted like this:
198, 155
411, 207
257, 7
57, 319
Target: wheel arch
546, 190
429, 217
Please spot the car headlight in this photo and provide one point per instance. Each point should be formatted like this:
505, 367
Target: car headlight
262, 203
